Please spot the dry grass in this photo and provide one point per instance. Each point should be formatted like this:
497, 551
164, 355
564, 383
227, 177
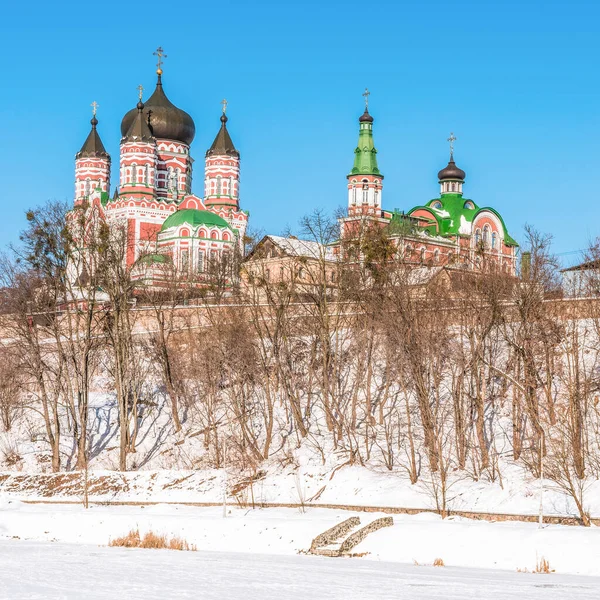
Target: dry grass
541, 566
151, 540
438, 562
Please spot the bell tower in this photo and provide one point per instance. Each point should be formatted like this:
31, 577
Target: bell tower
365, 181
92, 164
222, 170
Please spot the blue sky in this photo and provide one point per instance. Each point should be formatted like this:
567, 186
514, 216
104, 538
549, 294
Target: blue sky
517, 82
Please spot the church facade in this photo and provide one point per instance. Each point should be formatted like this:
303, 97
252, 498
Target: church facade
154, 199
449, 230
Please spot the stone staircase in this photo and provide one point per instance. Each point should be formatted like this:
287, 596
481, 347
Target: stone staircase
328, 543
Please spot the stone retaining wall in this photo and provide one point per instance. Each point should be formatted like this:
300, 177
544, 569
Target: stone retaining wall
358, 536
334, 533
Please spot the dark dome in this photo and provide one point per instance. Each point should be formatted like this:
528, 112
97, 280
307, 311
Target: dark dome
166, 120
451, 172
365, 117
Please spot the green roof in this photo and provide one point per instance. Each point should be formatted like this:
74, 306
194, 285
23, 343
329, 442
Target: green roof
365, 154
194, 218
453, 215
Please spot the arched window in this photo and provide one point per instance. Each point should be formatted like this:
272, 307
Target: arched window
437, 205
469, 205
185, 260
365, 188
409, 251
422, 255
477, 237
219, 186
133, 174
88, 187
231, 186
494, 239
200, 262
436, 255
267, 274
486, 236
453, 187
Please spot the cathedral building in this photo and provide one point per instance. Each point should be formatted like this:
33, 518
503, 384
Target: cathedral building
449, 230
154, 198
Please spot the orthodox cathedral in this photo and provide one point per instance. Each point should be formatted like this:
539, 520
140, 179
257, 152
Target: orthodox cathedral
154, 197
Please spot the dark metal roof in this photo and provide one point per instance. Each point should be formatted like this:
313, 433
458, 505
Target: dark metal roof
365, 117
451, 171
223, 144
139, 130
165, 120
93, 145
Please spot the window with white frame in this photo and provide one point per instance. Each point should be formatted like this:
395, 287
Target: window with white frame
185, 259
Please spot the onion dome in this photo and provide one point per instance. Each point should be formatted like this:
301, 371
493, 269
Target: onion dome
164, 119
223, 144
93, 146
451, 172
139, 130
365, 117
194, 218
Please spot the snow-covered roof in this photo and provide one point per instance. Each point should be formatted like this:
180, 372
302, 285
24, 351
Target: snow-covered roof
302, 248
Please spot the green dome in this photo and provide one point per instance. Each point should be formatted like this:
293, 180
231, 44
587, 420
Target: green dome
194, 218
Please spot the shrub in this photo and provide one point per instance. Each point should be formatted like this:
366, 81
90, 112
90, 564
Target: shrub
151, 540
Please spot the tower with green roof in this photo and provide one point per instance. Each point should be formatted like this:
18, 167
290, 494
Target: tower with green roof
365, 181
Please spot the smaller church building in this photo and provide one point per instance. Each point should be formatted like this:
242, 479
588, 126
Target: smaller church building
450, 230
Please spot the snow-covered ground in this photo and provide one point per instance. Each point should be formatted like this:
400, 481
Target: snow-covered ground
41, 570
413, 539
310, 482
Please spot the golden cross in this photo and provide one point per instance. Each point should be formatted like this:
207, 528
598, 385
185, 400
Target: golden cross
451, 139
366, 95
224, 105
160, 53
94, 106
140, 89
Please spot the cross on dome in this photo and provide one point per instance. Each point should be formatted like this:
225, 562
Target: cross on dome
366, 95
94, 106
161, 54
451, 139
224, 105
140, 89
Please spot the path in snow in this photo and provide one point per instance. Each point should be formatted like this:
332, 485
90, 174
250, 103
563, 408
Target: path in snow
49, 571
